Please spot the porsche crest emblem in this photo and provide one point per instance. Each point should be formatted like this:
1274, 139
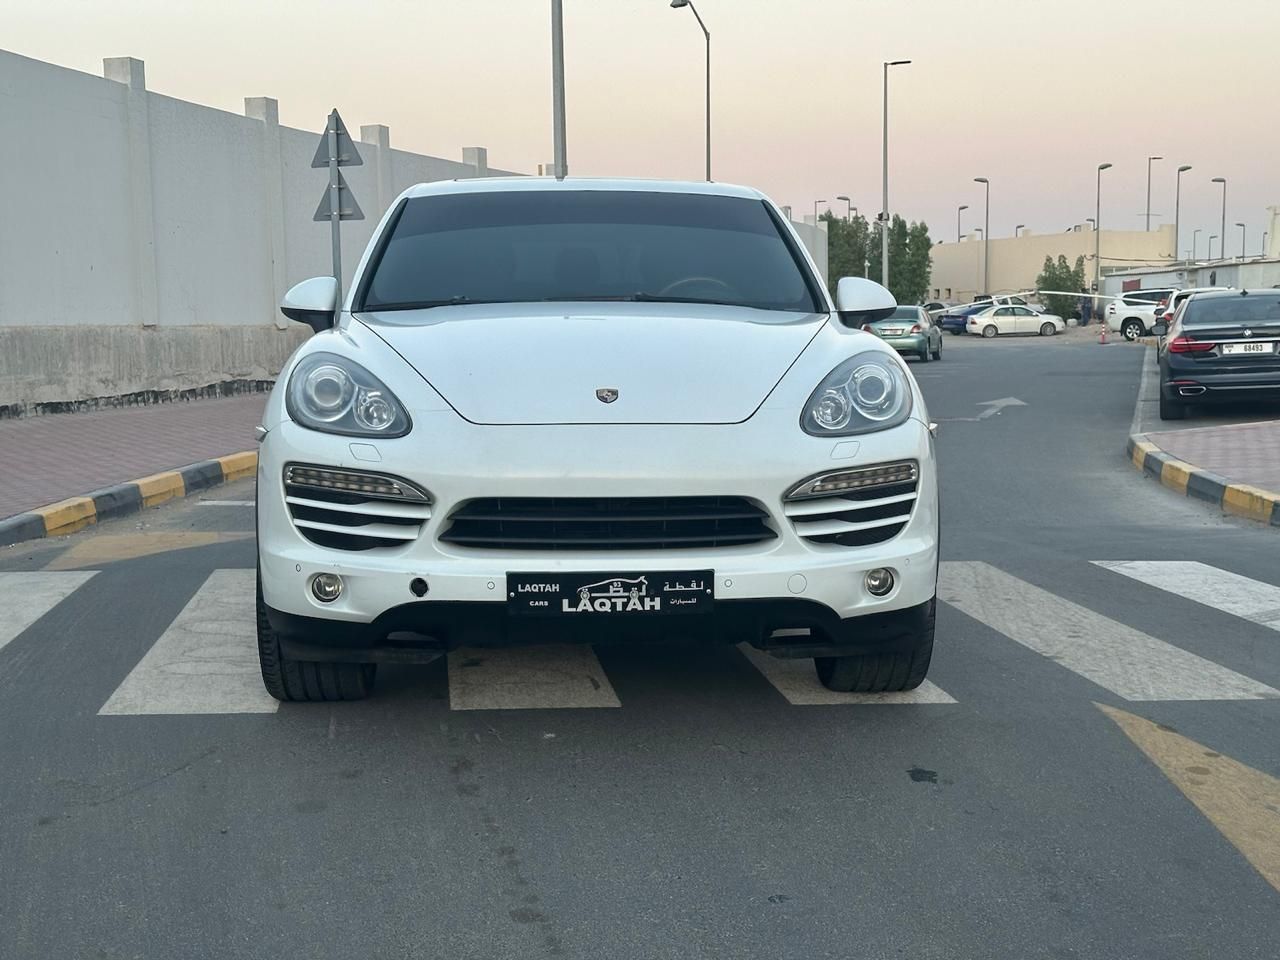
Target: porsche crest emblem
607, 394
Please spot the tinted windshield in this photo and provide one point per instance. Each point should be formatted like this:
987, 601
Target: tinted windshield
1255, 309
530, 246
906, 313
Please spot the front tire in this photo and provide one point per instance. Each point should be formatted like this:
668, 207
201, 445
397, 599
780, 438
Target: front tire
937, 354
1131, 330
924, 354
989, 332
883, 672
1047, 329
302, 680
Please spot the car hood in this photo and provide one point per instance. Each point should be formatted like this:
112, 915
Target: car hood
561, 363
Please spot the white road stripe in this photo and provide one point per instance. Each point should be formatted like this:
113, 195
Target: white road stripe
26, 597
226, 503
205, 662
550, 677
797, 681
1125, 661
1220, 589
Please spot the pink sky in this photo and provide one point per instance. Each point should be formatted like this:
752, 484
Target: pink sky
997, 88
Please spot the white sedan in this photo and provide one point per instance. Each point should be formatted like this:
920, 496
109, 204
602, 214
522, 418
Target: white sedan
1007, 320
587, 410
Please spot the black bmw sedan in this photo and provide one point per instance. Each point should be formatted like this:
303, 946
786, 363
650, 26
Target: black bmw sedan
1220, 347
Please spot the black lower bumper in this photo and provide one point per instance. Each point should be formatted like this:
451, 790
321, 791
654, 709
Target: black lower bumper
421, 630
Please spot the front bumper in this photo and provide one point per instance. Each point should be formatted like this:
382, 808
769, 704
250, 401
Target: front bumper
785, 583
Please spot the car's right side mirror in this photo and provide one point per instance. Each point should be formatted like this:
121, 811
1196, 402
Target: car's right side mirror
859, 301
312, 302
1160, 328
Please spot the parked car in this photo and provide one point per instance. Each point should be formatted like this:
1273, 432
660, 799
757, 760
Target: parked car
1134, 312
642, 405
1015, 301
1166, 308
1221, 346
910, 331
1003, 321
956, 319
935, 309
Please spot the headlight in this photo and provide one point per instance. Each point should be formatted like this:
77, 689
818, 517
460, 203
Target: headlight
336, 395
865, 393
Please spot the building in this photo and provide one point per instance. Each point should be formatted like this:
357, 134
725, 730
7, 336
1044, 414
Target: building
1017, 261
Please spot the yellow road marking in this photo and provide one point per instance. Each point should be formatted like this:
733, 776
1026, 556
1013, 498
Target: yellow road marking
1247, 501
113, 547
1175, 474
239, 465
68, 516
1140, 451
160, 487
1243, 803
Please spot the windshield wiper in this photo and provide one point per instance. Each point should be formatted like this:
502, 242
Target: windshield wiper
425, 304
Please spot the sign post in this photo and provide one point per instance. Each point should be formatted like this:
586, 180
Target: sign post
336, 149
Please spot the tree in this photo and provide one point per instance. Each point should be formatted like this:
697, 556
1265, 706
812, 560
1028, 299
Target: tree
846, 247
910, 259
1060, 275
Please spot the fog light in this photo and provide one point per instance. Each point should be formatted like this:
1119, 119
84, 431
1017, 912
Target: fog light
326, 587
879, 581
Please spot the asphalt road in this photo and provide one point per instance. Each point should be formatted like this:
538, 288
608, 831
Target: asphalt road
1091, 780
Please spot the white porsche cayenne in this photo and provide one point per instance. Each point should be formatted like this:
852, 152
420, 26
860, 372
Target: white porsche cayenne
592, 410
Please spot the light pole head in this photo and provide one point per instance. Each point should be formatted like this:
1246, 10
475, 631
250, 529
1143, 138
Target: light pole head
981, 180
1218, 180
1239, 224
844, 198
963, 206
1021, 226
1104, 166
1184, 168
896, 63
677, 4
1155, 158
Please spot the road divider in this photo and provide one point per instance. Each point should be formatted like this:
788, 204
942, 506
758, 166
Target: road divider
76, 513
1239, 499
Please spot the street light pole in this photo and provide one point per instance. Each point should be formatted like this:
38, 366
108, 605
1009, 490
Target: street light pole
884, 209
848, 207
1018, 228
1149, 159
561, 162
1209, 252
815, 211
1242, 240
959, 210
1177, 211
676, 5
1097, 233
1222, 237
986, 237
1195, 242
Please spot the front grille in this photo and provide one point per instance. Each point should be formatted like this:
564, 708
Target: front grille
607, 523
346, 510
857, 517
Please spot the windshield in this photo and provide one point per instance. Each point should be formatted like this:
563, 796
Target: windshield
1240, 309
535, 246
905, 313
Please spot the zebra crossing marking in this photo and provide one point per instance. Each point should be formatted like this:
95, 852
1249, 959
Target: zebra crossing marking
1125, 661
26, 597
1229, 592
205, 662
552, 677
799, 684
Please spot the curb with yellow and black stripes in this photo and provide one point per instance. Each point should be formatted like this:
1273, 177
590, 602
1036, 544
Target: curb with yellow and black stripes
75, 513
1239, 499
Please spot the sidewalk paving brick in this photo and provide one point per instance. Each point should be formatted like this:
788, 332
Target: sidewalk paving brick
50, 458
1244, 453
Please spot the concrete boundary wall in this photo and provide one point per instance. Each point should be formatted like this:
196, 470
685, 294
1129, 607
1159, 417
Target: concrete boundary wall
146, 241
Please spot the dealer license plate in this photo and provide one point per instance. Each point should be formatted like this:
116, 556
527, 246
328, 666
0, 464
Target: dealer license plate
1247, 348
610, 594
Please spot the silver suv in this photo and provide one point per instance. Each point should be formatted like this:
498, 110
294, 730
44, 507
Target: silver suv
1135, 311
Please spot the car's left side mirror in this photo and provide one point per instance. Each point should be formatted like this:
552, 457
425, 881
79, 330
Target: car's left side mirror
859, 301
1160, 328
312, 302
